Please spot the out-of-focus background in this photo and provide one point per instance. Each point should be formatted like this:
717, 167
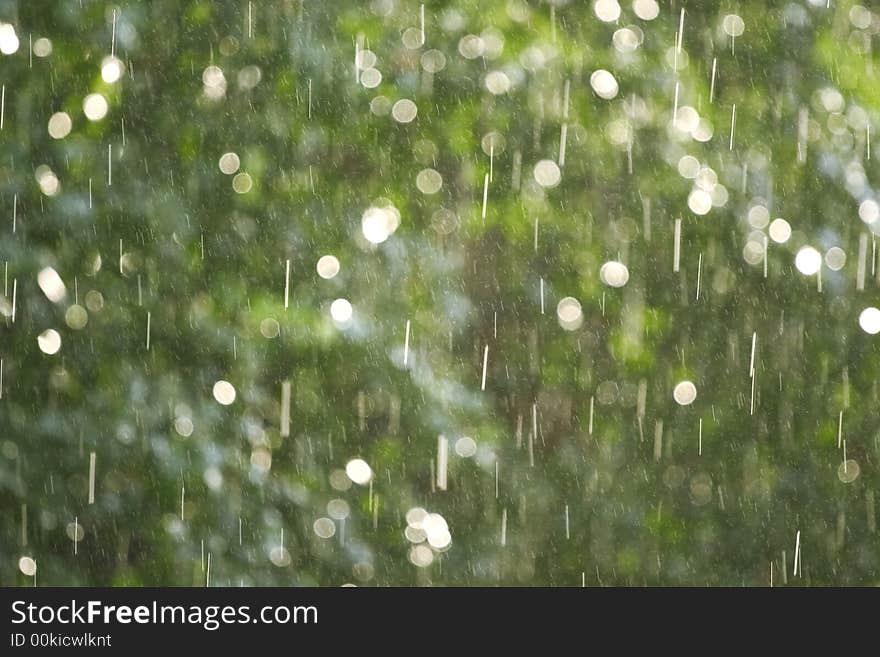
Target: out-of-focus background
453, 293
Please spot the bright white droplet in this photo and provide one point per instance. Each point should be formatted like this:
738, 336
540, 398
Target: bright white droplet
341, 311
440, 540
733, 25
49, 341
780, 230
42, 47
808, 261
359, 471
569, 313
604, 84
647, 10
547, 173
869, 320
684, 393
404, 111
60, 125
224, 392
835, 258
377, 224
606, 11
229, 163
112, 69
47, 180
497, 83
614, 273
27, 566
8, 39
328, 266
51, 284
435, 527
371, 78
700, 201
95, 107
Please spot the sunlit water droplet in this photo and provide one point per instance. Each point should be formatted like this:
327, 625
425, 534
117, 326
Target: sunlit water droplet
112, 69
60, 125
700, 202
780, 230
547, 173
95, 107
569, 313
614, 274
328, 266
229, 163
429, 181
8, 39
685, 393
404, 111
808, 261
341, 311
604, 84
27, 566
606, 11
359, 471
647, 10
224, 392
51, 284
324, 528
49, 341
869, 320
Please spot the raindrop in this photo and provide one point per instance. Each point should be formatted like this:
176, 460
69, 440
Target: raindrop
569, 313
614, 274
547, 173
112, 69
684, 393
224, 392
404, 111
95, 107
465, 447
359, 472
27, 566
341, 311
229, 163
49, 341
869, 320
808, 261
328, 266
604, 84
60, 125
51, 284
324, 528
780, 230
429, 181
